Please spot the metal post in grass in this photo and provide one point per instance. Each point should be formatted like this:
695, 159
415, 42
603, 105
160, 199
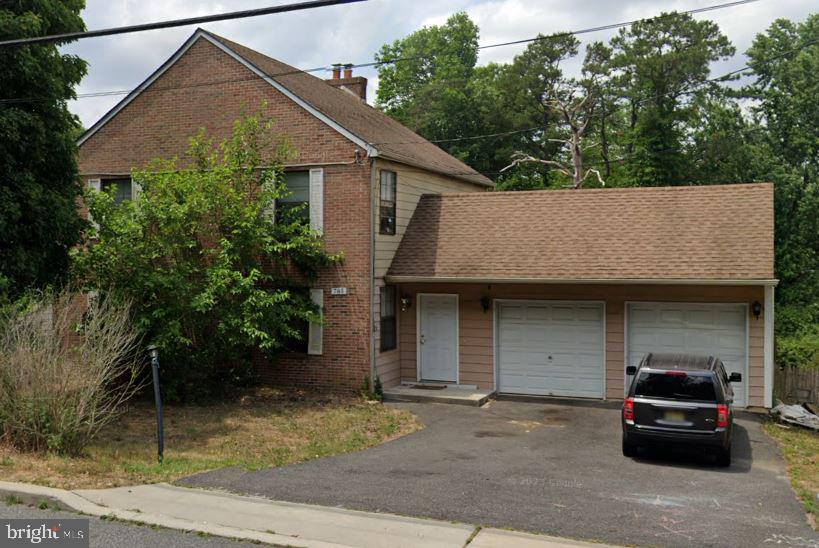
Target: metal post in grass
160, 435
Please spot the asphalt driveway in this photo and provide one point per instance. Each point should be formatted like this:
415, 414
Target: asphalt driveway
554, 468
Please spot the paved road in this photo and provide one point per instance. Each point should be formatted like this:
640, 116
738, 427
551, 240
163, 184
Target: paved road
114, 534
553, 468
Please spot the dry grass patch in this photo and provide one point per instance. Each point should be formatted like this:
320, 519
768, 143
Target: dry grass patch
261, 429
800, 447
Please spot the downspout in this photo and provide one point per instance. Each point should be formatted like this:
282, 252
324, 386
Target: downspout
372, 272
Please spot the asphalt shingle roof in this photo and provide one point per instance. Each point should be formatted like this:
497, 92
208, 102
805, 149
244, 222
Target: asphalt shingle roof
721, 232
391, 139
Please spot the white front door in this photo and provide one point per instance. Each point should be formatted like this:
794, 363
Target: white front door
438, 337
551, 348
709, 329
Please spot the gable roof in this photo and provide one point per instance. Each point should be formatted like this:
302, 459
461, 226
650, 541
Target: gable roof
721, 233
378, 134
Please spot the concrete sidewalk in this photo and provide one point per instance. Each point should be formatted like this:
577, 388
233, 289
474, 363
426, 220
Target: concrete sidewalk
272, 522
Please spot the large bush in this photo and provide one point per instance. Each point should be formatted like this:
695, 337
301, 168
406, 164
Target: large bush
65, 369
799, 350
212, 278
797, 336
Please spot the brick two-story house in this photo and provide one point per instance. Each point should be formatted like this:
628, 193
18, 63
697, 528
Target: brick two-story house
361, 172
537, 293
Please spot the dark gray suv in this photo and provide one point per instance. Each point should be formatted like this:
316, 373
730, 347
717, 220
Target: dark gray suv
679, 398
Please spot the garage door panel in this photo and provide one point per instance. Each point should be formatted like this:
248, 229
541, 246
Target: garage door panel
732, 316
511, 313
536, 313
672, 317
713, 329
643, 316
570, 333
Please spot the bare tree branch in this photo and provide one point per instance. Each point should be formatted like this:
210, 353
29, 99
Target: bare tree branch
576, 115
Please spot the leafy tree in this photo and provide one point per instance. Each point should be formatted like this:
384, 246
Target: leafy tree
658, 62
428, 90
39, 186
212, 278
726, 146
607, 124
785, 61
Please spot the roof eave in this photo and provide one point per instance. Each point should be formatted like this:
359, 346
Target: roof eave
586, 281
141, 87
475, 181
200, 33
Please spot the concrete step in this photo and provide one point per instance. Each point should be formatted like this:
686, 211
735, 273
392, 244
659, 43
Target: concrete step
450, 394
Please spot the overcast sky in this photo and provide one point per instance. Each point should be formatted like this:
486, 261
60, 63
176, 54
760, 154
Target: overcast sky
353, 33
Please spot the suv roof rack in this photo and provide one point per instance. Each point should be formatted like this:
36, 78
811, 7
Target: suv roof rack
681, 361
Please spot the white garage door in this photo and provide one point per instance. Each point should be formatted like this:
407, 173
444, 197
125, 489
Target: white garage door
551, 348
713, 329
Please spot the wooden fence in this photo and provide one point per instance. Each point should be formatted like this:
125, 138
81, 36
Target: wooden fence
794, 385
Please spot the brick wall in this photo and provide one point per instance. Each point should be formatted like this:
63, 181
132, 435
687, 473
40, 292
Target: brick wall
346, 357
161, 120
159, 123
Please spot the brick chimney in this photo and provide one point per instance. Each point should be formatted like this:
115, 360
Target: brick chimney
357, 85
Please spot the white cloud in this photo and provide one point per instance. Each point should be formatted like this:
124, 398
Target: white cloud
354, 32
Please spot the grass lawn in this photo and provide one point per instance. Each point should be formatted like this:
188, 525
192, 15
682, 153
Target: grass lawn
800, 447
264, 428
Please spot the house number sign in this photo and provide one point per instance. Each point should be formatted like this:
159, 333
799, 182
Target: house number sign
338, 291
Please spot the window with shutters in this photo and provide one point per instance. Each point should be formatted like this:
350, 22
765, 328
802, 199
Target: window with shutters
387, 202
389, 333
309, 338
298, 343
296, 197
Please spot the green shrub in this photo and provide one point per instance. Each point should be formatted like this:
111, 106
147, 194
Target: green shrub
212, 278
66, 369
800, 350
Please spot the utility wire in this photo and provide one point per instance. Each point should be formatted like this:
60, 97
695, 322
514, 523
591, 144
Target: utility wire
624, 24
691, 89
392, 61
71, 36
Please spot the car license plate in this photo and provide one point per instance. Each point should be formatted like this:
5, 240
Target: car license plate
676, 416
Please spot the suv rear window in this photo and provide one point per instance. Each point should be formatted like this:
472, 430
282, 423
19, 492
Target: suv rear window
676, 386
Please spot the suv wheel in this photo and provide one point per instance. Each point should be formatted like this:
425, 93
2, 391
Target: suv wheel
724, 457
629, 449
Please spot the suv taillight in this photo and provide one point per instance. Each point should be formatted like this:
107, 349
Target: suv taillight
722, 416
628, 409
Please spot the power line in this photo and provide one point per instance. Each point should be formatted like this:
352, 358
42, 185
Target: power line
691, 89
71, 36
620, 25
390, 61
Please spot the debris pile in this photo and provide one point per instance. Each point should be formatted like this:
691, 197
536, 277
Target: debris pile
796, 414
